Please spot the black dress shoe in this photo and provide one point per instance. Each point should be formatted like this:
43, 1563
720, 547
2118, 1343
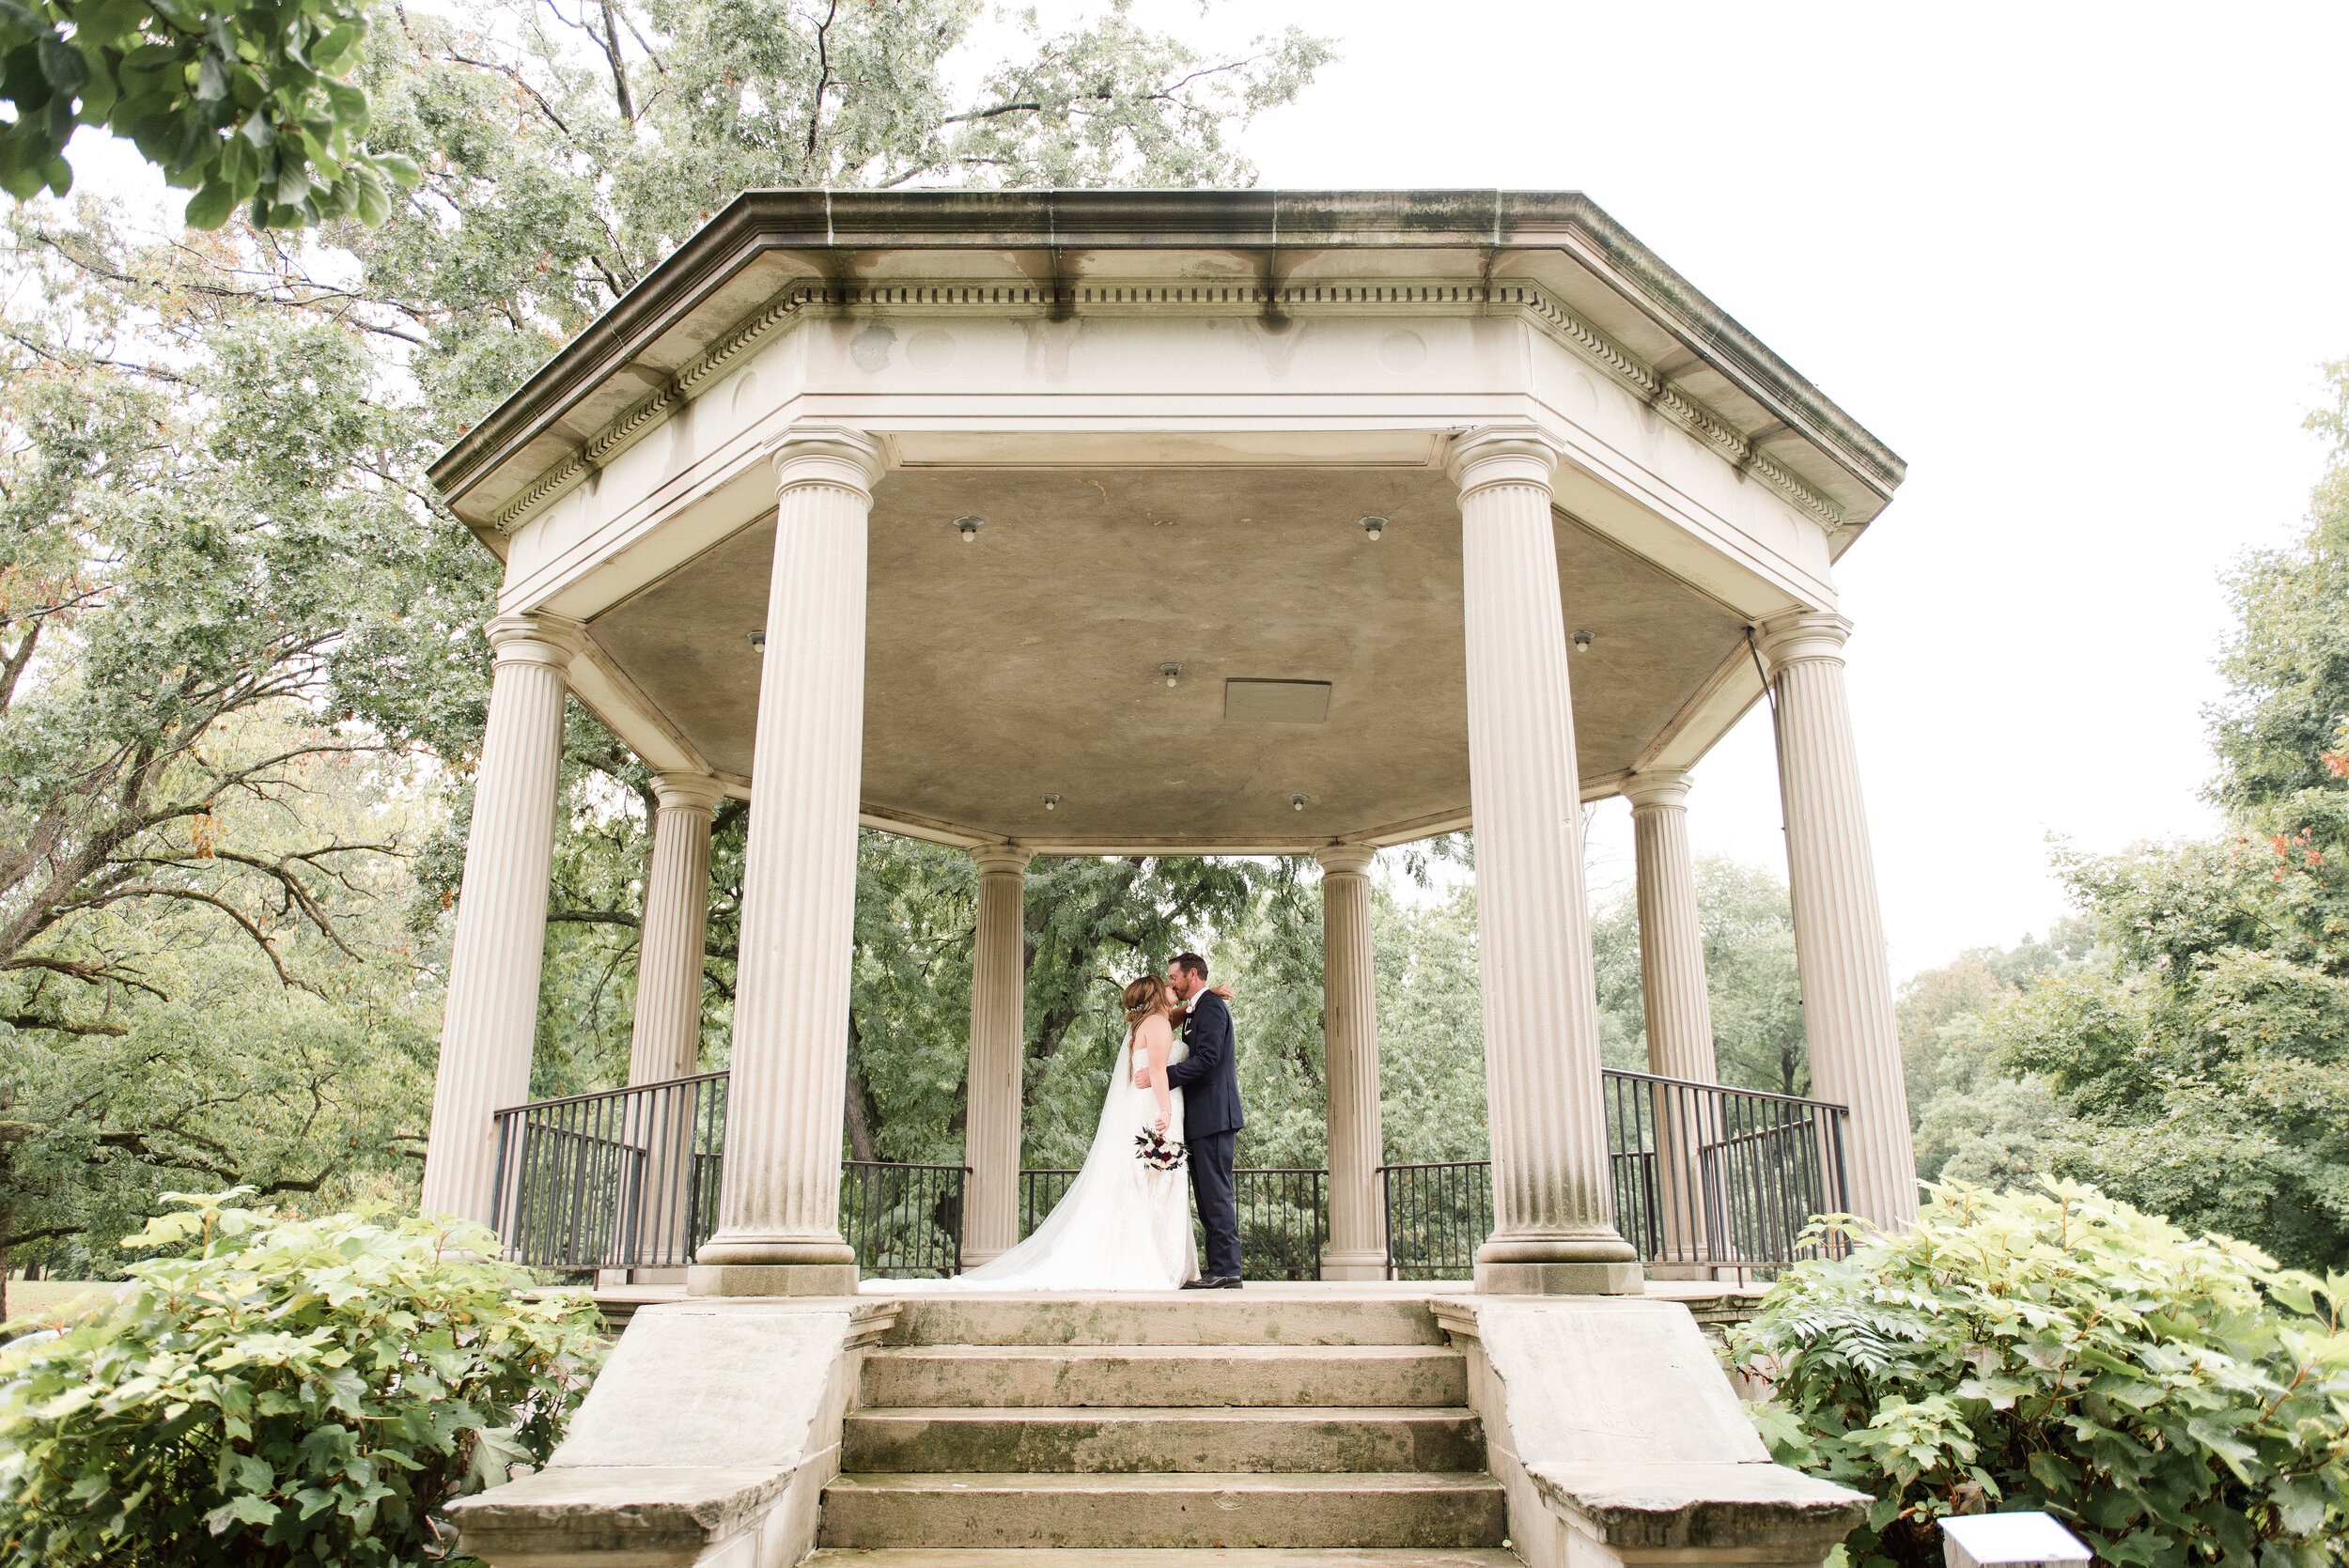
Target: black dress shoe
1204, 1282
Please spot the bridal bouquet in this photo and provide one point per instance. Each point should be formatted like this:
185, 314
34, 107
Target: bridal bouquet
1152, 1148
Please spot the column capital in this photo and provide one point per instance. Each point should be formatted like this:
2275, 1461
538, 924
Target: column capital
1346, 859
1804, 635
537, 638
1502, 455
1657, 787
1000, 860
819, 453
687, 791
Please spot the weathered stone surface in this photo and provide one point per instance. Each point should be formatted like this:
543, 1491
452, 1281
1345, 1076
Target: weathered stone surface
1239, 1317
1265, 1557
706, 1439
635, 1515
1184, 1511
1754, 1508
1605, 1381
1032, 1376
1106, 1441
687, 1388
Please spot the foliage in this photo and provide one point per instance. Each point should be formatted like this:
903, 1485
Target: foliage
269, 1390
238, 101
1750, 979
1974, 1119
1431, 1026
2174, 1399
320, 1100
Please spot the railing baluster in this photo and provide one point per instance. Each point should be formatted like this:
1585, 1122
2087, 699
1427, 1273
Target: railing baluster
1701, 1173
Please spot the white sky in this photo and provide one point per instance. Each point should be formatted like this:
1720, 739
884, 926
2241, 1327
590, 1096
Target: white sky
2080, 265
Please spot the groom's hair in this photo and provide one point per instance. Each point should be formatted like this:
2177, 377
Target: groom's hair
1193, 962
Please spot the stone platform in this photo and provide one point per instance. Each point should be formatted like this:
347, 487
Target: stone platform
1371, 1423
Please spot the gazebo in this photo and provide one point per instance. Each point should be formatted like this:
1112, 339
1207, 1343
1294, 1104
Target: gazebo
1167, 522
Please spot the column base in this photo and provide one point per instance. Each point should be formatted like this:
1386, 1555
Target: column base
1561, 1279
973, 1258
772, 1278
1363, 1264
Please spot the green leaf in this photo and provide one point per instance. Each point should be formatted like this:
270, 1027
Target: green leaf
63, 65
209, 207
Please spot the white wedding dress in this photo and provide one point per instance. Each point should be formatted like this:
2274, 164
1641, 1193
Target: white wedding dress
1120, 1226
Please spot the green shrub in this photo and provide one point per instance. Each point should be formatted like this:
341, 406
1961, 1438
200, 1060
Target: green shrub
2175, 1400
281, 1391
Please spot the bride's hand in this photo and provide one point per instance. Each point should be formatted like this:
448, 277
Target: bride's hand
1224, 990
1159, 1124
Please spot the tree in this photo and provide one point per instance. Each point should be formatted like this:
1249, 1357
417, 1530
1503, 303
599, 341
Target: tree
2200, 1055
239, 102
1750, 979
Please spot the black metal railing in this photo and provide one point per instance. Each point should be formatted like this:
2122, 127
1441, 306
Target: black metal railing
1702, 1175
1437, 1217
904, 1220
1283, 1221
1040, 1192
1713, 1176
622, 1179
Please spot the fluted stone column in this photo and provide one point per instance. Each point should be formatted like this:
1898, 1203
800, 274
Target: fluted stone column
1349, 1023
990, 1140
1671, 938
779, 1208
1553, 1228
1679, 1014
1848, 1016
668, 1036
491, 1015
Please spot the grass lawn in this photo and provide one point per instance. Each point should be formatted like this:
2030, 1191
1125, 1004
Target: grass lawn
27, 1298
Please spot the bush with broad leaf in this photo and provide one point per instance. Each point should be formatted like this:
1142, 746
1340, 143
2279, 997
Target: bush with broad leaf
282, 1391
2175, 1400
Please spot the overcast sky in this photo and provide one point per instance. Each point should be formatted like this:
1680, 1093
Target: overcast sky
2078, 265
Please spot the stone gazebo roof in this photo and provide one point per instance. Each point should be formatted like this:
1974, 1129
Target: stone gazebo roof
1171, 411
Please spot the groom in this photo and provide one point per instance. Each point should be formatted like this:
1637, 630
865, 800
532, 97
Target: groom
1209, 1079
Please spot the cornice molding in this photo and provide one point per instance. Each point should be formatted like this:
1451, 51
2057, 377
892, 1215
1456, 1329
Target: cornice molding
1642, 381
638, 419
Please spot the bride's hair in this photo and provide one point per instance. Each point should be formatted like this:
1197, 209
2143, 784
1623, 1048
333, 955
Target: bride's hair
1145, 997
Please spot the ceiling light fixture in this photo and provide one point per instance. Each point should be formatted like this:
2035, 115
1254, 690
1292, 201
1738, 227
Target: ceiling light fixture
1297, 802
1373, 527
758, 639
970, 527
1581, 642
1051, 800
1170, 671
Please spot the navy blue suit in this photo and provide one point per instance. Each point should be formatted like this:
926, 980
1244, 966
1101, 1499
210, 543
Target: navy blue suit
1209, 1079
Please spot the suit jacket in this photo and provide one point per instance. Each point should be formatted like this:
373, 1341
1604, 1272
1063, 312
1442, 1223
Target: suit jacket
1209, 1075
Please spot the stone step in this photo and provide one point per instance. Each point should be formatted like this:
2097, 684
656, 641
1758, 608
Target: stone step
1219, 1512
1164, 1557
1192, 1318
1098, 1441
1016, 1376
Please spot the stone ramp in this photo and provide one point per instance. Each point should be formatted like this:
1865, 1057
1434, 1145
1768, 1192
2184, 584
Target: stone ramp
1128, 1430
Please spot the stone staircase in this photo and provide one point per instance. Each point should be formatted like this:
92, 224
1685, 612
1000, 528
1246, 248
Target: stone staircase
1311, 1431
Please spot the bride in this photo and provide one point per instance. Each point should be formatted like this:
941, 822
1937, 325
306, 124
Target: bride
1124, 1222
